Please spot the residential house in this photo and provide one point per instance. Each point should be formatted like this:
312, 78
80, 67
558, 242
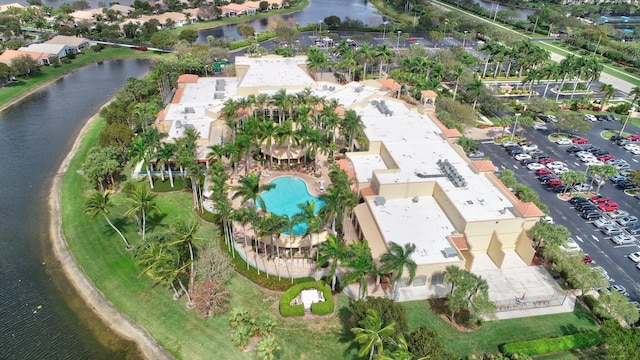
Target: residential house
57, 50
12, 5
122, 10
76, 43
40, 57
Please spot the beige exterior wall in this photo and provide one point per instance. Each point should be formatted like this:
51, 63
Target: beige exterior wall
448, 208
407, 190
495, 251
370, 231
525, 250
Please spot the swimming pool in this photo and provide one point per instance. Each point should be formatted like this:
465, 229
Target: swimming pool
285, 197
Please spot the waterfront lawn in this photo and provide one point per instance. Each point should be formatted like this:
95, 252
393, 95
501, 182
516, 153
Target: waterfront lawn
48, 73
182, 332
492, 334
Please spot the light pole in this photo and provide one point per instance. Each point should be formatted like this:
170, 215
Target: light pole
496, 14
445, 27
515, 125
535, 25
319, 27
464, 39
626, 121
398, 41
384, 30
597, 45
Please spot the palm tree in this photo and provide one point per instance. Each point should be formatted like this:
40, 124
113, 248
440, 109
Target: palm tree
245, 215
384, 53
458, 71
100, 203
360, 264
372, 335
162, 264
164, 155
184, 233
396, 260
364, 55
608, 91
332, 209
604, 171
268, 132
307, 214
249, 188
316, 59
332, 250
474, 90
288, 135
141, 203
351, 126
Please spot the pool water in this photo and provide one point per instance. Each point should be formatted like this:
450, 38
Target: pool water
285, 197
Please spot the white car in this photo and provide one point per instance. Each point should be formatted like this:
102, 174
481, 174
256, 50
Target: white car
571, 246
592, 161
591, 118
623, 239
635, 151
547, 219
540, 126
631, 146
618, 214
530, 148
535, 166
508, 143
556, 165
561, 170
520, 157
604, 273
602, 222
583, 187
564, 141
583, 153
635, 256
588, 158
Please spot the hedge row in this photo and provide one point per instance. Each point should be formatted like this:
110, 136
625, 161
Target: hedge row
319, 308
549, 345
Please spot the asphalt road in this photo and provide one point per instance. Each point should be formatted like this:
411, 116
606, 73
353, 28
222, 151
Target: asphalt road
594, 243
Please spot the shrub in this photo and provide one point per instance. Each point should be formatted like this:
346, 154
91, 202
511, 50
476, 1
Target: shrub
320, 308
596, 308
389, 310
549, 345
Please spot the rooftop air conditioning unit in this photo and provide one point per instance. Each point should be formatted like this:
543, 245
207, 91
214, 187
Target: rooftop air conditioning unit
379, 200
449, 252
415, 199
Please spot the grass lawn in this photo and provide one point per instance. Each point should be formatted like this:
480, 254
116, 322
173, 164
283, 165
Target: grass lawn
48, 73
492, 334
182, 332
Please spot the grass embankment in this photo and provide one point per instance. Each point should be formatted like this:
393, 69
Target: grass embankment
182, 332
186, 335
23, 86
201, 25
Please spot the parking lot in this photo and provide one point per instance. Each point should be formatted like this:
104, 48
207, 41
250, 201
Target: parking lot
600, 247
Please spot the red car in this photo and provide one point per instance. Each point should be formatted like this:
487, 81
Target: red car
412, 38
606, 157
544, 171
545, 161
587, 259
633, 137
554, 182
608, 206
580, 140
599, 199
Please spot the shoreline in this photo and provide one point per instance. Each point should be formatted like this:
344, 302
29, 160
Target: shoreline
86, 289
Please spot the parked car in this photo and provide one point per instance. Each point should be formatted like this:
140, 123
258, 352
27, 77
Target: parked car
530, 148
627, 221
580, 140
622, 166
556, 165
592, 161
561, 189
621, 289
589, 117
635, 256
591, 215
600, 152
574, 149
586, 207
526, 162
509, 143
617, 178
545, 178
543, 172
554, 182
633, 137
547, 219
545, 161
606, 157
616, 137
520, 157
540, 126
475, 155
583, 187
538, 155
611, 230
560, 170
564, 141
610, 206
627, 185
514, 151
578, 200
535, 166
602, 222
618, 214
635, 151
634, 229
570, 246
604, 273
599, 199
623, 239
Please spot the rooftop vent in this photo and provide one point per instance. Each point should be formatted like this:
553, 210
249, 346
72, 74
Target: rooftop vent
449, 252
189, 110
415, 199
218, 95
178, 124
359, 89
452, 173
379, 200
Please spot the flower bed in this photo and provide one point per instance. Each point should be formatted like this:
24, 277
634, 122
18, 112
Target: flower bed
287, 308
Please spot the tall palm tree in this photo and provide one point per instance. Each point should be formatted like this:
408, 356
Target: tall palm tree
331, 251
371, 335
289, 136
184, 234
359, 264
458, 71
316, 60
608, 91
245, 215
141, 203
162, 264
332, 209
268, 132
100, 203
395, 260
249, 188
474, 90
364, 55
307, 214
351, 126
164, 156
385, 54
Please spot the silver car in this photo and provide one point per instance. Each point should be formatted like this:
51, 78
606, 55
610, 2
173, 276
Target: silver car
623, 239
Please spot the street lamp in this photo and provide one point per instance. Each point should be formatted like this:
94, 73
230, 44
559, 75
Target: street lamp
398, 41
515, 125
626, 121
384, 30
496, 14
319, 27
464, 39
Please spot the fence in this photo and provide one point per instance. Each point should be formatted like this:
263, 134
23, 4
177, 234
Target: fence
300, 267
523, 302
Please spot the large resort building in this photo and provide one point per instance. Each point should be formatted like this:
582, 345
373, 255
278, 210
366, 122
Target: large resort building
416, 184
